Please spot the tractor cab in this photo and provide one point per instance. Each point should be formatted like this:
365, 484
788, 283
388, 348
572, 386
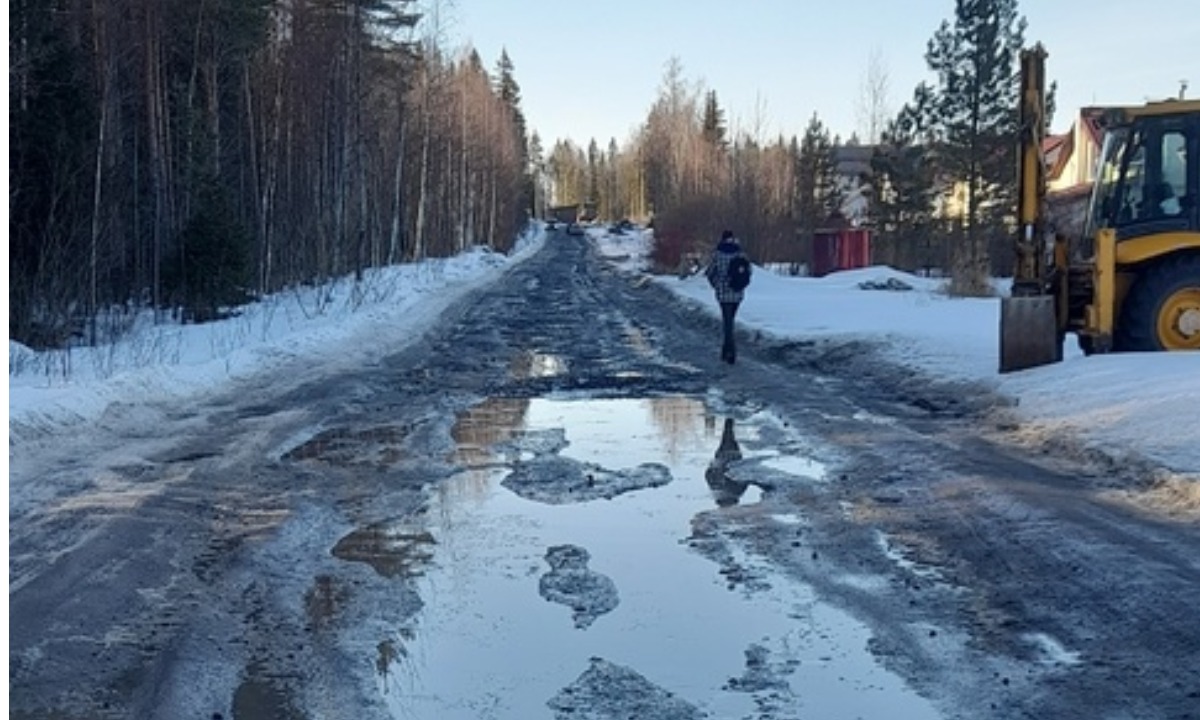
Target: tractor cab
1147, 181
1140, 286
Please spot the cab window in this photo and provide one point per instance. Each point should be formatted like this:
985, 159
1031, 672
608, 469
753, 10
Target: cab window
1173, 188
1154, 183
1132, 206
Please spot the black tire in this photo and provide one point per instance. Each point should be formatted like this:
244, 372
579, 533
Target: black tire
1086, 343
1137, 324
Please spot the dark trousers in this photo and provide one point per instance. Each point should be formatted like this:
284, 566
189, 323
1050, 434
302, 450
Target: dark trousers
728, 349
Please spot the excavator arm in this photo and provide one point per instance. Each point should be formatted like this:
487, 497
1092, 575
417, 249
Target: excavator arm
1031, 319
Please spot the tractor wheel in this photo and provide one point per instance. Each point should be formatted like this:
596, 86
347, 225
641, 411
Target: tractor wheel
1087, 344
1162, 310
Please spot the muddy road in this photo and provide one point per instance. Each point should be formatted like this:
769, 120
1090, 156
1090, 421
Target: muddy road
559, 503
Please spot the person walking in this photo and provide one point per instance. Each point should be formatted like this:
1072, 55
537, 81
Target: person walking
728, 273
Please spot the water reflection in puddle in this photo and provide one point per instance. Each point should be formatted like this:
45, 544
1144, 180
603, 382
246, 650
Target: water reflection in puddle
392, 549
379, 446
486, 644
796, 465
485, 425
531, 365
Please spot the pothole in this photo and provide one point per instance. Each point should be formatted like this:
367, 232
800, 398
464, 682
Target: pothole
493, 638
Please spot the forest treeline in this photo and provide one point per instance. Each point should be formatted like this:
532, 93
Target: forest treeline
189, 155
192, 154
938, 183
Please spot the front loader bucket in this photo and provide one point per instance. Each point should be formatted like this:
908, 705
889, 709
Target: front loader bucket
1028, 333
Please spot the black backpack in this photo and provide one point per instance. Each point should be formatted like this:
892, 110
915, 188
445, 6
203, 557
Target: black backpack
739, 272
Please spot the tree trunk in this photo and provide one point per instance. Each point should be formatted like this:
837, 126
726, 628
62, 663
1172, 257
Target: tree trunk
394, 244
157, 145
423, 188
99, 37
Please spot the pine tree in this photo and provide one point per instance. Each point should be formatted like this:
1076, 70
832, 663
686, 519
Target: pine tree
817, 193
510, 94
901, 187
713, 126
975, 121
537, 176
594, 161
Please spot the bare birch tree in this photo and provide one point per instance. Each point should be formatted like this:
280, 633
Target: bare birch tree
873, 109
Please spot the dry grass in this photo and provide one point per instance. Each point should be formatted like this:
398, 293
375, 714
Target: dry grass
970, 281
1176, 496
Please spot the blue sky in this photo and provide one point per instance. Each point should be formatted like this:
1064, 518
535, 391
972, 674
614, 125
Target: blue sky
592, 69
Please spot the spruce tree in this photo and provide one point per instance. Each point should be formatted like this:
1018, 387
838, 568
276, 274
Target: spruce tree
713, 124
510, 93
974, 121
817, 193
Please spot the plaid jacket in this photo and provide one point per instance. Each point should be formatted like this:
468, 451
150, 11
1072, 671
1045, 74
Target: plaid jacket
717, 271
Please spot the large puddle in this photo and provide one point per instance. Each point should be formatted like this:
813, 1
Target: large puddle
501, 636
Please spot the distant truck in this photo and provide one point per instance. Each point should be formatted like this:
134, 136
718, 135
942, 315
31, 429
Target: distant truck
565, 214
568, 214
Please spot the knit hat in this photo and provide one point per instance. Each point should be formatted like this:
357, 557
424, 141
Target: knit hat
728, 234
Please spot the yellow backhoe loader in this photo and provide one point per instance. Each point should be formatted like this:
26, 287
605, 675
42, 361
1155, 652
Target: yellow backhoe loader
1132, 281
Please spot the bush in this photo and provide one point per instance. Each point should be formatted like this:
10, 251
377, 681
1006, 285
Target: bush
683, 231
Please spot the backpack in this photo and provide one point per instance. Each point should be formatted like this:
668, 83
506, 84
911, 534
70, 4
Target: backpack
739, 273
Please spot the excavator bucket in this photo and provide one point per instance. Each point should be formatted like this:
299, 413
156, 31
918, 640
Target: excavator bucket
1028, 333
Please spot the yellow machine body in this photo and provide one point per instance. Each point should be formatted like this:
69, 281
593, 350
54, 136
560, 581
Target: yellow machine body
1131, 282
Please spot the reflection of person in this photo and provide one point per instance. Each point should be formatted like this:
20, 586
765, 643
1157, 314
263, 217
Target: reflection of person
726, 491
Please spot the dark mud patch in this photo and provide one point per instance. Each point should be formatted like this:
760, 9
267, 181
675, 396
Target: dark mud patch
760, 674
556, 480
569, 582
767, 681
260, 697
610, 692
324, 601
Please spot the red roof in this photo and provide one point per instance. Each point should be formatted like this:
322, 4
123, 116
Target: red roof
1051, 143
